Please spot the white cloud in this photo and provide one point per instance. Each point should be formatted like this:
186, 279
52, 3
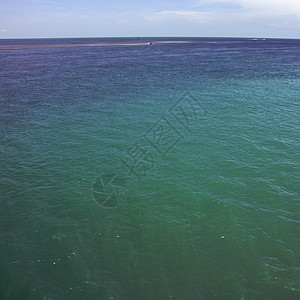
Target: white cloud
270, 6
257, 18
45, 1
208, 11
194, 15
3, 30
197, 16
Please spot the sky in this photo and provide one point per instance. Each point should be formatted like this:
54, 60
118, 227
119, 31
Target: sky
141, 18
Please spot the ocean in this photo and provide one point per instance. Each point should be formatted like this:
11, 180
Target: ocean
149, 168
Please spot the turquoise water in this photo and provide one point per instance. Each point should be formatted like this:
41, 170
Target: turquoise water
197, 147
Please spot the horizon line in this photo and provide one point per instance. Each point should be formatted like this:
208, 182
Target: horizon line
148, 37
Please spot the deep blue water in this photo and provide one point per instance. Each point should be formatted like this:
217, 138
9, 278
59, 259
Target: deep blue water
163, 171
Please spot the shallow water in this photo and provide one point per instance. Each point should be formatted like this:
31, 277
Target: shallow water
163, 171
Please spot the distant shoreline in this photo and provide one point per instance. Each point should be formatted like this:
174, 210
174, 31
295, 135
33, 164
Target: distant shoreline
16, 47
